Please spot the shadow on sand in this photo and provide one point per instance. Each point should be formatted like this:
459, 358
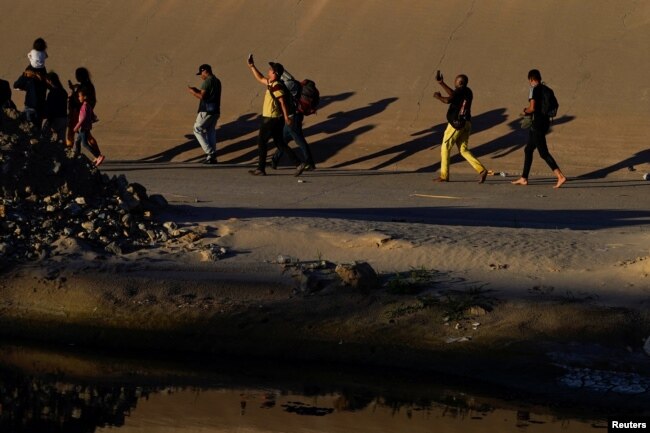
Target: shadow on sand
575, 219
638, 158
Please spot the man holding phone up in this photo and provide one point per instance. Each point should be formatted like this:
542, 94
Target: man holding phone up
209, 96
276, 112
459, 125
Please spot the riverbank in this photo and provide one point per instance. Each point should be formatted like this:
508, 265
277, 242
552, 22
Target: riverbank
541, 342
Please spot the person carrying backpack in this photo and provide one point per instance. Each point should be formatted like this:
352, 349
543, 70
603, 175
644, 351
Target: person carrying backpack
294, 131
459, 116
276, 111
540, 107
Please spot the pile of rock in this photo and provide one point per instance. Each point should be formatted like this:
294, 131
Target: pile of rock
45, 194
322, 275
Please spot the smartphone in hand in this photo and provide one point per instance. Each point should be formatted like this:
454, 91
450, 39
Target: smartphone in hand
250, 59
438, 75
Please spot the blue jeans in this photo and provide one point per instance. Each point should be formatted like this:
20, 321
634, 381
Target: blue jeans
206, 133
294, 132
32, 116
82, 138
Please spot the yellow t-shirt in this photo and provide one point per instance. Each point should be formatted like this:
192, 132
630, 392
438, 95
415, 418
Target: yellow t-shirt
270, 107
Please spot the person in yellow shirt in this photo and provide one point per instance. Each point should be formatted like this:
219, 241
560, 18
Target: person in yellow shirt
276, 111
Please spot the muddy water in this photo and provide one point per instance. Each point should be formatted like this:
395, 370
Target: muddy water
56, 391
271, 411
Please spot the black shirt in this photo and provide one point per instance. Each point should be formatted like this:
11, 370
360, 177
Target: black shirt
56, 104
35, 90
456, 103
541, 122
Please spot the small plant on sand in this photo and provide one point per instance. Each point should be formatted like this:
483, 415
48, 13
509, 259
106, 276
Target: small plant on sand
405, 310
411, 282
457, 304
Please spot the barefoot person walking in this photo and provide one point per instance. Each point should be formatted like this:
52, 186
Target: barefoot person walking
537, 134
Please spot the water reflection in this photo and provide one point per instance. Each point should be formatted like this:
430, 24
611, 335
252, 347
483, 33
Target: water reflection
49, 394
29, 404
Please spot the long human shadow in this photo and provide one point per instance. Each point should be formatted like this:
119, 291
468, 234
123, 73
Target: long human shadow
229, 131
170, 154
501, 146
426, 140
336, 125
515, 139
638, 158
252, 125
330, 99
574, 219
243, 126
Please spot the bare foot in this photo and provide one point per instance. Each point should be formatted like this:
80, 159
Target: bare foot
482, 176
520, 181
560, 182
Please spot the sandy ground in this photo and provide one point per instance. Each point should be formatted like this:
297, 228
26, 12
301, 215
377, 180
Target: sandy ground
483, 293
554, 267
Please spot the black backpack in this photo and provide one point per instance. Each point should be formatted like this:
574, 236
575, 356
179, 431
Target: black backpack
549, 102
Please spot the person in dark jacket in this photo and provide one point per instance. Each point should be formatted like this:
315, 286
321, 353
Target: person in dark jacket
5, 99
56, 109
35, 88
5, 95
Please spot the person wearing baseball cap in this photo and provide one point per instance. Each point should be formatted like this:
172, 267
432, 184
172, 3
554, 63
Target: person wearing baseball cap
276, 112
209, 96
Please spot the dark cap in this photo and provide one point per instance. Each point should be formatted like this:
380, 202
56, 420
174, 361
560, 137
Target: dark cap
277, 68
204, 67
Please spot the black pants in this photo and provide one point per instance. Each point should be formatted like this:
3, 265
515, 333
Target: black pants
537, 140
272, 127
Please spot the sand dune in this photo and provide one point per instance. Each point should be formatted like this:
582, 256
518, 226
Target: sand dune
374, 61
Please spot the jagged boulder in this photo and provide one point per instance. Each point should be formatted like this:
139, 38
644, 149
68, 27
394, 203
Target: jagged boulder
358, 275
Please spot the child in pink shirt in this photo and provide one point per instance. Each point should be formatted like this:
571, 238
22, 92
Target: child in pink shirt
83, 127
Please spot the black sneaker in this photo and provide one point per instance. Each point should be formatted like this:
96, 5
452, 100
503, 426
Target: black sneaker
310, 167
274, 164
210, 161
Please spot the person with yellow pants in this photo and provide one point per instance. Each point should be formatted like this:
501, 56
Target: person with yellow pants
459, 126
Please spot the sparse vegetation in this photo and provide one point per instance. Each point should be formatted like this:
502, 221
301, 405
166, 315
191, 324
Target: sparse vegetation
412, 282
